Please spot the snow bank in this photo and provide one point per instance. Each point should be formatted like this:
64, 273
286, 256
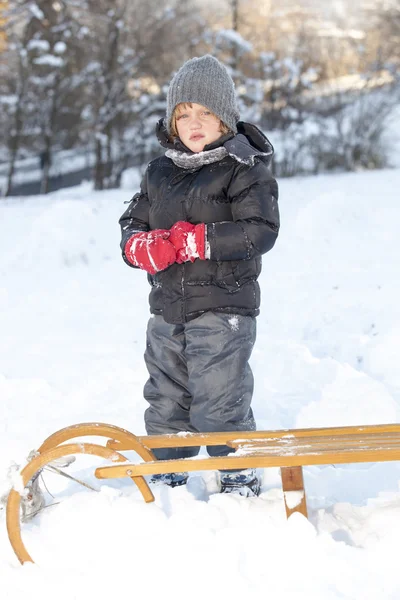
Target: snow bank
72, 322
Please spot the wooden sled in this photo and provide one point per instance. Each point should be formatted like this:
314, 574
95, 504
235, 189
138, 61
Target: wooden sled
288, 449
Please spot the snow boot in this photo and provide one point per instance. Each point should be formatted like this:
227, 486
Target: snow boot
244, 483
171, 479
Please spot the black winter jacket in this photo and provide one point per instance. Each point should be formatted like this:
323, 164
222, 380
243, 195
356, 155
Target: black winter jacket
237, 199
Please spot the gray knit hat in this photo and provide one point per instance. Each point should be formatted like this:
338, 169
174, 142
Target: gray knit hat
204, 81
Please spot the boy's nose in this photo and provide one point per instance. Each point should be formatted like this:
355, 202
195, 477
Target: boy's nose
195, 124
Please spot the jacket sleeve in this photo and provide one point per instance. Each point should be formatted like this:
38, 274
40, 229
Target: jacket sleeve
136, 218
253, 194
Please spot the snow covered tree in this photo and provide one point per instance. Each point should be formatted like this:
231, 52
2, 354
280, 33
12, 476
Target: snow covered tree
13, 87
109, 62
124, 76
13, 79
43, 60
93, 75
382, 25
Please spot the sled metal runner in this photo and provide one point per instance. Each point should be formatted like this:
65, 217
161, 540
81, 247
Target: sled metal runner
288, 449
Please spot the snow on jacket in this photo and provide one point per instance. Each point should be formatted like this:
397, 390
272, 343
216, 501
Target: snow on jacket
237, 199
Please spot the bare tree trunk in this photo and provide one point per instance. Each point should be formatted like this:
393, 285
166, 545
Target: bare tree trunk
120, 164
11, 167
235, 14
14, 147
235, 27
44, 184
121, 167
15, 137
99, 166
49, 138
46, 164
109, 163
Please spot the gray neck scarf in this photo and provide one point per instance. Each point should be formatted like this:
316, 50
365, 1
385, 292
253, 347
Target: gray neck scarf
197, 160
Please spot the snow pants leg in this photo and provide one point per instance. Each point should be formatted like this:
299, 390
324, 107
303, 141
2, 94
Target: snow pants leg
200, 379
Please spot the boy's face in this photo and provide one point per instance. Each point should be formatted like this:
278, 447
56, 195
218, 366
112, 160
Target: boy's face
197, 126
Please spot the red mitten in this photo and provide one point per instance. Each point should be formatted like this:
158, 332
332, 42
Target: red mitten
188, 240
151, 251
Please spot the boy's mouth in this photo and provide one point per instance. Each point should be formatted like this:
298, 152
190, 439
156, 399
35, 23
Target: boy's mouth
196, 136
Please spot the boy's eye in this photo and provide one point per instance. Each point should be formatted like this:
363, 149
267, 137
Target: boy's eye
181, 116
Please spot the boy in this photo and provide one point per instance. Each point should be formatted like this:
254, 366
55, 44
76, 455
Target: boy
206, 212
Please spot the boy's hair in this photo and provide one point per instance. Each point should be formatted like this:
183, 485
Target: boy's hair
173, 133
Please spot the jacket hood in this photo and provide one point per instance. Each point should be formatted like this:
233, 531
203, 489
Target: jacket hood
249, 142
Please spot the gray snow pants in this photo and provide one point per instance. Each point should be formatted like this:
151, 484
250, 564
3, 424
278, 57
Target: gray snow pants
200, 379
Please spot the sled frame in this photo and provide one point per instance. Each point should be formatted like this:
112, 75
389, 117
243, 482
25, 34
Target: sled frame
288, 449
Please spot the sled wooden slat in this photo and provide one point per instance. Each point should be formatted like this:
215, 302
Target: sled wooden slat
249, 460
215, 439
320, 445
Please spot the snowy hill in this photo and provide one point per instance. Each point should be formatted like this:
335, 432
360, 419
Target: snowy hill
72, 323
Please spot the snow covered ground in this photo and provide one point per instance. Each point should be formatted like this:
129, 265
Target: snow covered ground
72, 326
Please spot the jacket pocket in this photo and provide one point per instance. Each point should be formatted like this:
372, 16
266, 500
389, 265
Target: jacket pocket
233, 275
225, 277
